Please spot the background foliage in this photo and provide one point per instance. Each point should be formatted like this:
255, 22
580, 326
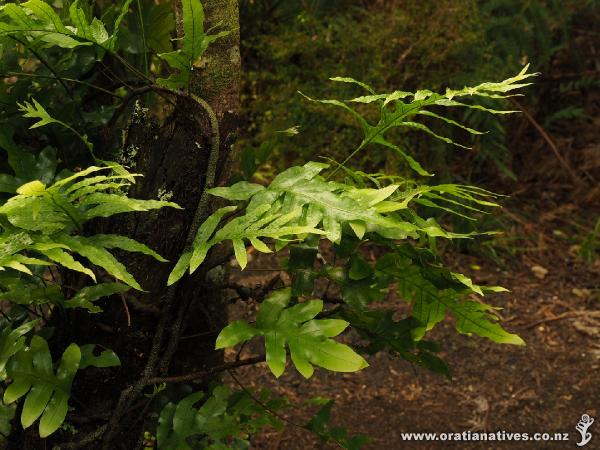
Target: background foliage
290, 46
70, 72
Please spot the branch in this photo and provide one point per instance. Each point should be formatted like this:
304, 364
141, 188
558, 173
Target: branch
548, 140
257, 293
207, 372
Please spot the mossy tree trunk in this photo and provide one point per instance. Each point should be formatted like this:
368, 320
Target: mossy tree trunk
172, 151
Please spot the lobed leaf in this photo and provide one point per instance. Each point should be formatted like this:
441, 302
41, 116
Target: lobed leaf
309, 340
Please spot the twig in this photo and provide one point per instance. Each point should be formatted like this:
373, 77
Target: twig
142, 307
199, 335
207, 372
566, 315
126, 308
548, 140
95, 435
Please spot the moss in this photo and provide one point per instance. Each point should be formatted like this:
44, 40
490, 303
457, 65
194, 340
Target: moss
221, 72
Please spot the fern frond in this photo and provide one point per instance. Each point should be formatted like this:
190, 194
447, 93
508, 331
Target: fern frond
300, 201
46, 392
434, 292
40, 219
399, 109
308, 339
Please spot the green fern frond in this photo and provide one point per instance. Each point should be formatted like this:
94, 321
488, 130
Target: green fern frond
41, 219
399, 109
309, 339
300, 201
47, 392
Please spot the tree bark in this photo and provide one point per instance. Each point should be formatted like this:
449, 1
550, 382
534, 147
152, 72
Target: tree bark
173, 155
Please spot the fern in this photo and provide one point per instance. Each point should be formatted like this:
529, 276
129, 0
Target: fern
400, 109
39, 228
42, 227
39, 21
65, 206
309, 339
435, 292
299, 197
223, 421
195, 42
13, 341
46, 392
34, 110
300, 201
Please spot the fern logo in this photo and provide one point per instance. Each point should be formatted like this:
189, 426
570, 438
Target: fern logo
583, 425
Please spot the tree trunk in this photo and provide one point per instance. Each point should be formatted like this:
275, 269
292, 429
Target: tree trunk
173, 155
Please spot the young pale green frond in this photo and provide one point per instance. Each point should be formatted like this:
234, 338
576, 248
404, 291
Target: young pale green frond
69, 203
38, 19
41, 219
308, 339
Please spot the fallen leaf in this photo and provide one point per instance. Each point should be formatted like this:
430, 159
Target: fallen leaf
587, 328
581, 293
539, 271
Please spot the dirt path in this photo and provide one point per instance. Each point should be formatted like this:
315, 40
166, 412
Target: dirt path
543, 387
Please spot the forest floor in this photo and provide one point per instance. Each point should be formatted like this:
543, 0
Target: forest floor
545, 386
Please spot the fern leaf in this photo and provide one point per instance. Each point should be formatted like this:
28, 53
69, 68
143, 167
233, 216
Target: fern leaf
195, 43
85, 298
124, 243
106, 358
13, 341
99, 256
180, 268
435, 292
36, 111
300, 201
222, 421
309, 340
93, 32
397, 109
106, 205
46, 392
45, 12
38, 19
